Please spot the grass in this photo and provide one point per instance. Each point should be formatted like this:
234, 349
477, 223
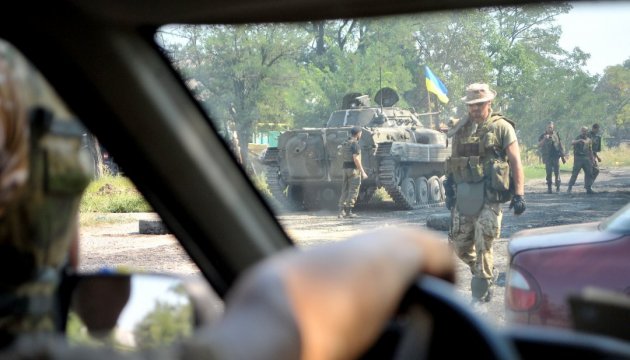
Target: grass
113, 194
380, 195
117, 194
616, 157
612, 157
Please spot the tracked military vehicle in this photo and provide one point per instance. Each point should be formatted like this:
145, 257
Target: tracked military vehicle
398, 153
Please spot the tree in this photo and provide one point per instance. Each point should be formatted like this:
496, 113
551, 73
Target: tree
165, 324
614, 87
246, 67
296, 75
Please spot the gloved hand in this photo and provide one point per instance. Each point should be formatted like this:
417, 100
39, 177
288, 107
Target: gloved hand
449, 192
518, 203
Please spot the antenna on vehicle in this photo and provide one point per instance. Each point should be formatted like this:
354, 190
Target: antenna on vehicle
380, 86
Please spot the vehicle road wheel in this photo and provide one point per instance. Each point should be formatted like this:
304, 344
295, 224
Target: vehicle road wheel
295, 197
435, 194
365, 195
329, 198
408, 190
442, 190
398, 175
312, 199
422, 189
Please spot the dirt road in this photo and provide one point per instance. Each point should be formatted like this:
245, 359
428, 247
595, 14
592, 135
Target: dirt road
114, 240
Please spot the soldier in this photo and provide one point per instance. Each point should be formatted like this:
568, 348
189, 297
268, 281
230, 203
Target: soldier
352, 173
485, 151
43, 173
596, 139
582, 160
552, 151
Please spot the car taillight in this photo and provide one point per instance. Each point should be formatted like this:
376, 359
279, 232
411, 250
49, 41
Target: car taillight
520, 294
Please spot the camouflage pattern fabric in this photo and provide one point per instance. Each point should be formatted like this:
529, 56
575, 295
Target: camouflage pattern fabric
472, 238
581, 149
552, 167
551, 151
350, 188
597, 141
596, 147
551, 148
351, 180
594, 171
39, 208
582, 163
582, 160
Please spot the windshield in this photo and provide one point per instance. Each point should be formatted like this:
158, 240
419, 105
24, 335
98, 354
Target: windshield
286, 96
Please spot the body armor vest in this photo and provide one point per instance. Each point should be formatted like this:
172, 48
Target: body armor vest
37, 228
551, 148
479, 156
597, 141
346, 151
581, 149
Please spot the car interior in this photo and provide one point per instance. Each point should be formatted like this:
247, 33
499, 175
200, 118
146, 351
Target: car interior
102, 58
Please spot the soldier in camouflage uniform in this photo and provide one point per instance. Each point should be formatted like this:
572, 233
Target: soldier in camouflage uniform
551, 150
43, 172
596, 146
485, 152
352, 173
582, 160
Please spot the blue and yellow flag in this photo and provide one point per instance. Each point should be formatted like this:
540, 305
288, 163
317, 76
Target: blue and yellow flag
435, 86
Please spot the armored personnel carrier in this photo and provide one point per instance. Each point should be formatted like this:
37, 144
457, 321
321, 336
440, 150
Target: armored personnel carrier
398, 153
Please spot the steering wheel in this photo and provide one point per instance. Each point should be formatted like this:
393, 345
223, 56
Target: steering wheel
434, 323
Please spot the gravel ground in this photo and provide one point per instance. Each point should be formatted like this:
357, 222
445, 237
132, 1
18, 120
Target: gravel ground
113, 240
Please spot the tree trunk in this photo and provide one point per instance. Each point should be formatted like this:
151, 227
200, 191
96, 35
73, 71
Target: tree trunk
97, 157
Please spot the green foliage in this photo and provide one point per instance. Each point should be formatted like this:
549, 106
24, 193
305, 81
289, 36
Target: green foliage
534, 172
165, 324
380, 195
616, 157
615, 90
294, 75
77, 333
113, 194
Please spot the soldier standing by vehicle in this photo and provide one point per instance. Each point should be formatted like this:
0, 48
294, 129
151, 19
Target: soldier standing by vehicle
352, 173
552, 151
582, 160
485, 151
596, 138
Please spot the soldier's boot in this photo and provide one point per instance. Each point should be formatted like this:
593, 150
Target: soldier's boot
349, 213
342, 213
557, 186
481, 289
549, 189
590, 191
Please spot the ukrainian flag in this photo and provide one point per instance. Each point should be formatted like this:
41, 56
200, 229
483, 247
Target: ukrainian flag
435, 86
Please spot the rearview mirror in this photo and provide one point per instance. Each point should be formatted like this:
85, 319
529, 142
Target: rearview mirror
132, 312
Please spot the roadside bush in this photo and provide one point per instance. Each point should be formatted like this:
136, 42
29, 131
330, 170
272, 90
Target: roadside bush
113, 194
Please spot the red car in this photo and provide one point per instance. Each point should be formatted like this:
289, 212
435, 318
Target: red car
548, 265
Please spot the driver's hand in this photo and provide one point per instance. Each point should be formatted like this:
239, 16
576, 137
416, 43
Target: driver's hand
337, 297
